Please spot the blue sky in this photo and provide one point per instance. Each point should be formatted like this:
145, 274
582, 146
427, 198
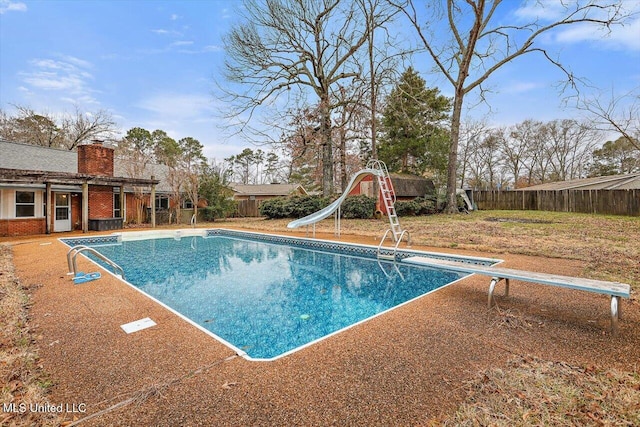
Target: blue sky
153, 63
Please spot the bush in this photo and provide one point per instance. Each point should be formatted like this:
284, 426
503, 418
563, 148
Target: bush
408, 208
223, 209
306, 205
361, 206
426, 205
292, 207
273, 208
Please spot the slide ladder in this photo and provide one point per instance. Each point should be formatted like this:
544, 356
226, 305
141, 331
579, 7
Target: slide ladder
388, 198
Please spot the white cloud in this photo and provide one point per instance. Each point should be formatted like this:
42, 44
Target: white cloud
172, 106
520, 87
164, 32
181, 43
186, 114
10, 6
544, 10
67, 75
625, 36
212, 48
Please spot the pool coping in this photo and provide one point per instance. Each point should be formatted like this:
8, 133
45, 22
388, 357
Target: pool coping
344, 248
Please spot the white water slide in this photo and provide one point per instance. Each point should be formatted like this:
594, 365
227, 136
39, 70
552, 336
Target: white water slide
333, 207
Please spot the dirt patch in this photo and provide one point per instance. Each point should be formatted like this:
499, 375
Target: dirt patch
518, 220
24, 381
531, 392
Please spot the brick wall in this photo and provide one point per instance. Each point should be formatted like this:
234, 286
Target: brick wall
95, 159
100, 202
76, 211
22, 227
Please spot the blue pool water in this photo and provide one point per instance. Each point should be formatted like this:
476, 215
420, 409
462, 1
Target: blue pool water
267, 299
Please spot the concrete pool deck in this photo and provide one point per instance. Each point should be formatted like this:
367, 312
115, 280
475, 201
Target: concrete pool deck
403, 368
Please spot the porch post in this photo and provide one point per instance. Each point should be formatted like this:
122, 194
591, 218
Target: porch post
47, 213
123, 214
153, 205
85, 207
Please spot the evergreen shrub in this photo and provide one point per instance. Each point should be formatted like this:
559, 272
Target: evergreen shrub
360, 206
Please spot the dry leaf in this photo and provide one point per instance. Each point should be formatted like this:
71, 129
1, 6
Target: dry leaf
227, 385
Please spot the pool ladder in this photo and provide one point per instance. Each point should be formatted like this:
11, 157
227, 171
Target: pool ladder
74, 251
385, 252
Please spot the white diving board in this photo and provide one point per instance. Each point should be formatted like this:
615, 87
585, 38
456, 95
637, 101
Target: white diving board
616, 290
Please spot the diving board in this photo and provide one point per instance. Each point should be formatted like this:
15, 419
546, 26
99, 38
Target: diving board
616, 290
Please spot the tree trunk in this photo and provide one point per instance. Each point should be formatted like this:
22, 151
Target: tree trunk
452, 203
343, 159
327, 150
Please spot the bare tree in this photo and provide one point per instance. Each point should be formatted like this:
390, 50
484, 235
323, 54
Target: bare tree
192, 162
66, 130
308, 45
136, 151
79, 128
470, 134
381, 63
488, 154
615, 113
31, 127
569, 148
518, 150
477, 46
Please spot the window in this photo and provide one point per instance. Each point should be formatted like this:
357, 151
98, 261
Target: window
162, 202
118, 211
25, 204
187, 204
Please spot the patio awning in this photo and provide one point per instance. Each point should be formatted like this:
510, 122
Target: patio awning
18, 176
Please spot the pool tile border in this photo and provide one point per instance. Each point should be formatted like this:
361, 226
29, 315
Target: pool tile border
343, 248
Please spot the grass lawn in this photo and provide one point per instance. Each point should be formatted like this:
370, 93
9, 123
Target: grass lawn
527, 392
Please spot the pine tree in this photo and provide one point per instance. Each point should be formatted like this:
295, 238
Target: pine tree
415, 139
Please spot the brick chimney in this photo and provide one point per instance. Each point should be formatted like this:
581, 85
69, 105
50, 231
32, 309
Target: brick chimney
95, 159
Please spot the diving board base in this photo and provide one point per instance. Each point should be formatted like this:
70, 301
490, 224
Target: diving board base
615, 290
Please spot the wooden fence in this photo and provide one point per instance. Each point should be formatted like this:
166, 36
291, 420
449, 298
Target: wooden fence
248, 208
611, 202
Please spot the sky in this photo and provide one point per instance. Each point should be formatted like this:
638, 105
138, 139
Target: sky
153, 64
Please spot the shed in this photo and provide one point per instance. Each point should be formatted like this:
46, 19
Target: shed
405, 186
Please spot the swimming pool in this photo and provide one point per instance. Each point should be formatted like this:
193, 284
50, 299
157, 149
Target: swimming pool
263, 295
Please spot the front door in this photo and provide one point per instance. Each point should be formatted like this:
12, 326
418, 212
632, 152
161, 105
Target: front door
62, 212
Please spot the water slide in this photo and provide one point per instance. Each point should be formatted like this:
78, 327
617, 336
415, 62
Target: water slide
324, 213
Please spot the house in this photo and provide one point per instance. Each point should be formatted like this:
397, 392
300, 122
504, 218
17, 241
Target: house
44, 190
610, 182
609, 195
266, 191
249, 197
406, 187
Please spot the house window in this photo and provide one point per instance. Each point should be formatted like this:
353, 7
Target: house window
25, 204
162, 202
188, 204
117, 209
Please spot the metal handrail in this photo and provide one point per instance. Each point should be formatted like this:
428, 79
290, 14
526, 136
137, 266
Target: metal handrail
400, 239
386, 233
71, 259
395, 247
